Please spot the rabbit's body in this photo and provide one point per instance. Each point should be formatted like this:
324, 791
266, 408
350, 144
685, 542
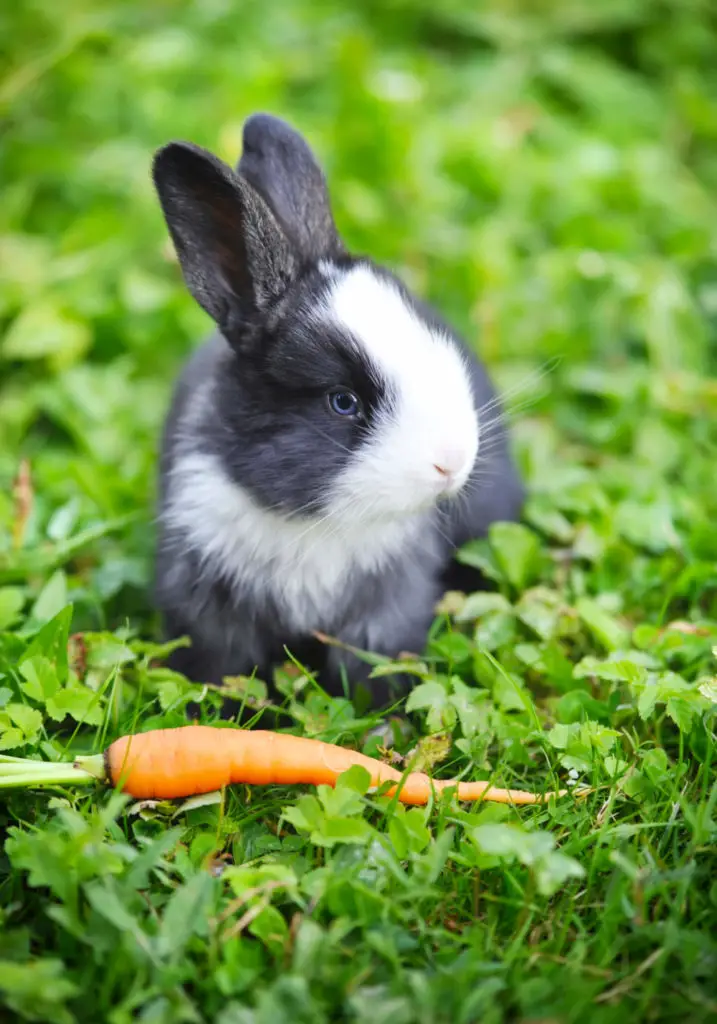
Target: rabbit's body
312, 443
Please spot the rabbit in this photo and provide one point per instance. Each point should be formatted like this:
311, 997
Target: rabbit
327, 449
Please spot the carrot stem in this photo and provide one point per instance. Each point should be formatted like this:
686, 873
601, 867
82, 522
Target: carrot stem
63, 775
94, 764
16, 772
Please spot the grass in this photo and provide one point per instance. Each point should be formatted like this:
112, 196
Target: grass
548, 180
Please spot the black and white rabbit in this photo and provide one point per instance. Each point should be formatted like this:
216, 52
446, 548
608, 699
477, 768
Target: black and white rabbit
324, 452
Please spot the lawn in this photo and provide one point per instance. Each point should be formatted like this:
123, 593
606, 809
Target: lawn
547, 175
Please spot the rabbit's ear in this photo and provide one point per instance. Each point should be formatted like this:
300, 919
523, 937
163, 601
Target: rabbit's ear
235, 257
278, 162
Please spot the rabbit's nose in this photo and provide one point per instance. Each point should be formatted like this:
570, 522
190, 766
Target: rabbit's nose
450, 462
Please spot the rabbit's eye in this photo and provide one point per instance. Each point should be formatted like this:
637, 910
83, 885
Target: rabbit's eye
344, 403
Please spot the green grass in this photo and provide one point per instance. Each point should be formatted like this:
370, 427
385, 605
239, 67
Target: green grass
549, 180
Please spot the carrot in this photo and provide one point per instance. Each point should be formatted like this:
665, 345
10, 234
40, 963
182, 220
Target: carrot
193, 759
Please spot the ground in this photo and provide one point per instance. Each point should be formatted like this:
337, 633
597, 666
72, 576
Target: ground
549, 181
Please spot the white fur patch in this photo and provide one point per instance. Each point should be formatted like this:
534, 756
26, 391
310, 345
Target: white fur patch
434, 423
305, 565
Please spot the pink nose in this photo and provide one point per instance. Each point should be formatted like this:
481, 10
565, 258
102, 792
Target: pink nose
449, 462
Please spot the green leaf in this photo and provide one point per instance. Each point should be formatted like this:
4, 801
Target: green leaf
235, 1013
245, 877
533, 849
271, 929
584, 743
426, 695
51, 642
52, 598
499, 840
453, 647
517, 552
340, 802
603, 626
554, 871
656, 766
193, 803
399, 837
168, 693
433, 861
620, 669
342, 830
478, 555
510, 694
12, 600
106, 651
10, 738
548, 520
246, 688
356, 778
185, 914
647, 526
578, 705
419, 835
202, 846
106, 900
708, 689
37, 989
306, 814
615, 766
681, 712
43, 330
309, 944
561, 734
495, 630
466, 701
40, 679
151, 858
480, 604
540, 610
647, 701
64, 520
549, 660
27, 720
79, 703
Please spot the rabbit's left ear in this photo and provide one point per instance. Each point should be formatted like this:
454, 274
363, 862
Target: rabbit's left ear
234, 255
279, 164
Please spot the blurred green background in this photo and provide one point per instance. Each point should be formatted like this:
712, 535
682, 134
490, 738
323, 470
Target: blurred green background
544, 172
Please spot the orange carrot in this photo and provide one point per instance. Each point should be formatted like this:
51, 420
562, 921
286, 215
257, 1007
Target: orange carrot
192, 759
188, 760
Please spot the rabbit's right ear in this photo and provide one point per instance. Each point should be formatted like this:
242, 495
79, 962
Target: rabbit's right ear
235, 258
278, 162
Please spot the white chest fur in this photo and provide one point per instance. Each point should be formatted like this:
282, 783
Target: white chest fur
305, 565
